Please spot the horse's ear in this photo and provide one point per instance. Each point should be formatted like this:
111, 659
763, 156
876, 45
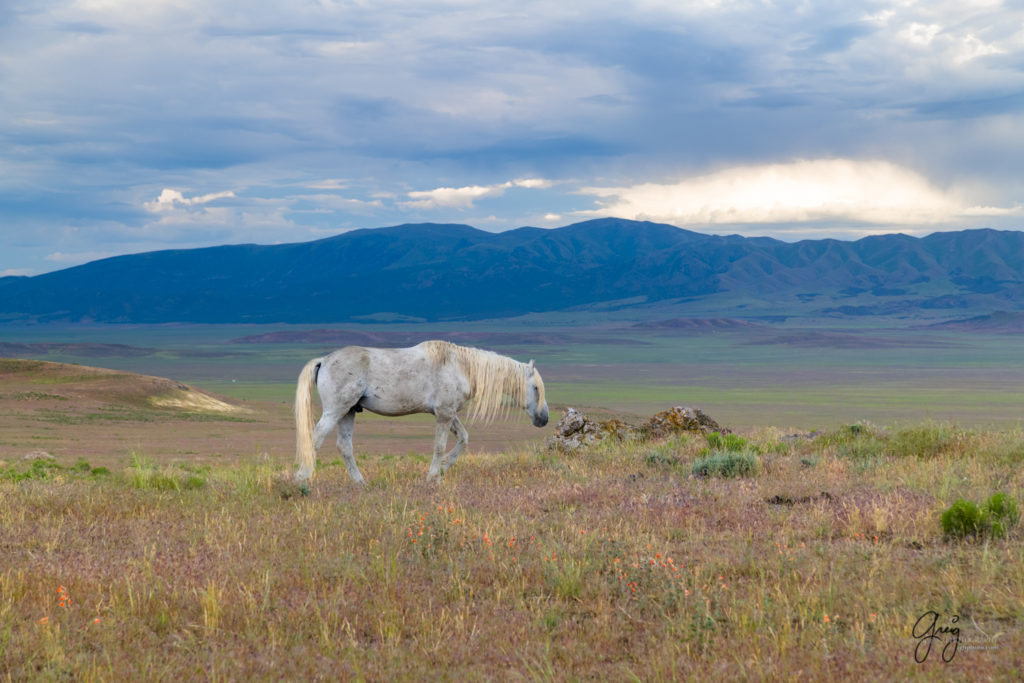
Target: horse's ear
531, 364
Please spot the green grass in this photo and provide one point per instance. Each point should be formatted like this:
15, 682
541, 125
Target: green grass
47, 469
526, 564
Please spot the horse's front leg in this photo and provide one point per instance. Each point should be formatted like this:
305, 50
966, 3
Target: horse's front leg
462, 439
440, 441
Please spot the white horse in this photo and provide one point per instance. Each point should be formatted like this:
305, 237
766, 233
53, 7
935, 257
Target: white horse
434, 377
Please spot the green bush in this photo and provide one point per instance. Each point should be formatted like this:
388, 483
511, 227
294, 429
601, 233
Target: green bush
726, 464
964, 518
1002, 513
726, 442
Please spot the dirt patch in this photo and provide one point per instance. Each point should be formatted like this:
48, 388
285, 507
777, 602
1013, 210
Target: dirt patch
194, 401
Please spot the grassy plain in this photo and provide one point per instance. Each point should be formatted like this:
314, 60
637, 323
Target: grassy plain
614, 563
161, 543
800, 377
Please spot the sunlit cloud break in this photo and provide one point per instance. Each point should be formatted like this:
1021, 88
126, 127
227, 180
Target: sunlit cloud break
169, 199
463, 197
877, 192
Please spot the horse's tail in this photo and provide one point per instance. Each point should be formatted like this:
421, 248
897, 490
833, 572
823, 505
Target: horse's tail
305, 448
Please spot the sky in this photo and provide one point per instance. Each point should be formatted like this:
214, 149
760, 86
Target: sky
130, 126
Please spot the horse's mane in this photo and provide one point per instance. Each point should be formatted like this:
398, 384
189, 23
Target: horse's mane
490, 376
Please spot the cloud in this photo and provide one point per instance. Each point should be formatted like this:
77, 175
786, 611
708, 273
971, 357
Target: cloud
463, 197
78, 257
371, 100
329, 184
15, 272
843, 190
170, 199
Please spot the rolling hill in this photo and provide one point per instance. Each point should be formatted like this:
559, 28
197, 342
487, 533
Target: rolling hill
444, 272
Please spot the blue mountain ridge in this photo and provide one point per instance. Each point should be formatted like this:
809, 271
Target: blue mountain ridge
449, 271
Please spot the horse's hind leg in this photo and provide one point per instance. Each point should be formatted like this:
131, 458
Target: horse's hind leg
346, 426
323, 427
462, 439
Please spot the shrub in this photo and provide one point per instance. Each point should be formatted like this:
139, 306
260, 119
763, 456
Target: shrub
726, 442
726, 464
1002, 513
964, 518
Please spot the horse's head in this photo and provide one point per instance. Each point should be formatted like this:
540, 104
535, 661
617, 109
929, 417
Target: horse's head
536, 405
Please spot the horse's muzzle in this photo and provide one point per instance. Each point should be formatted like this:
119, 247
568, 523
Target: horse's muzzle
541, 418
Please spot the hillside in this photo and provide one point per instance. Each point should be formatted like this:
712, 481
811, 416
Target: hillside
437, 272
55, 386
997, 322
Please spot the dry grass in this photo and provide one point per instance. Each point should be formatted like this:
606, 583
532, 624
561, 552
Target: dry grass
610, 564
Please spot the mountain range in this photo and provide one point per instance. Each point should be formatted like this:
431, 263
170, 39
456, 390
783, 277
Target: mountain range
448, 272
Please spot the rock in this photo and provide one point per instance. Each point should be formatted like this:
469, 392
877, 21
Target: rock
38, 455
575, 430
680, 419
